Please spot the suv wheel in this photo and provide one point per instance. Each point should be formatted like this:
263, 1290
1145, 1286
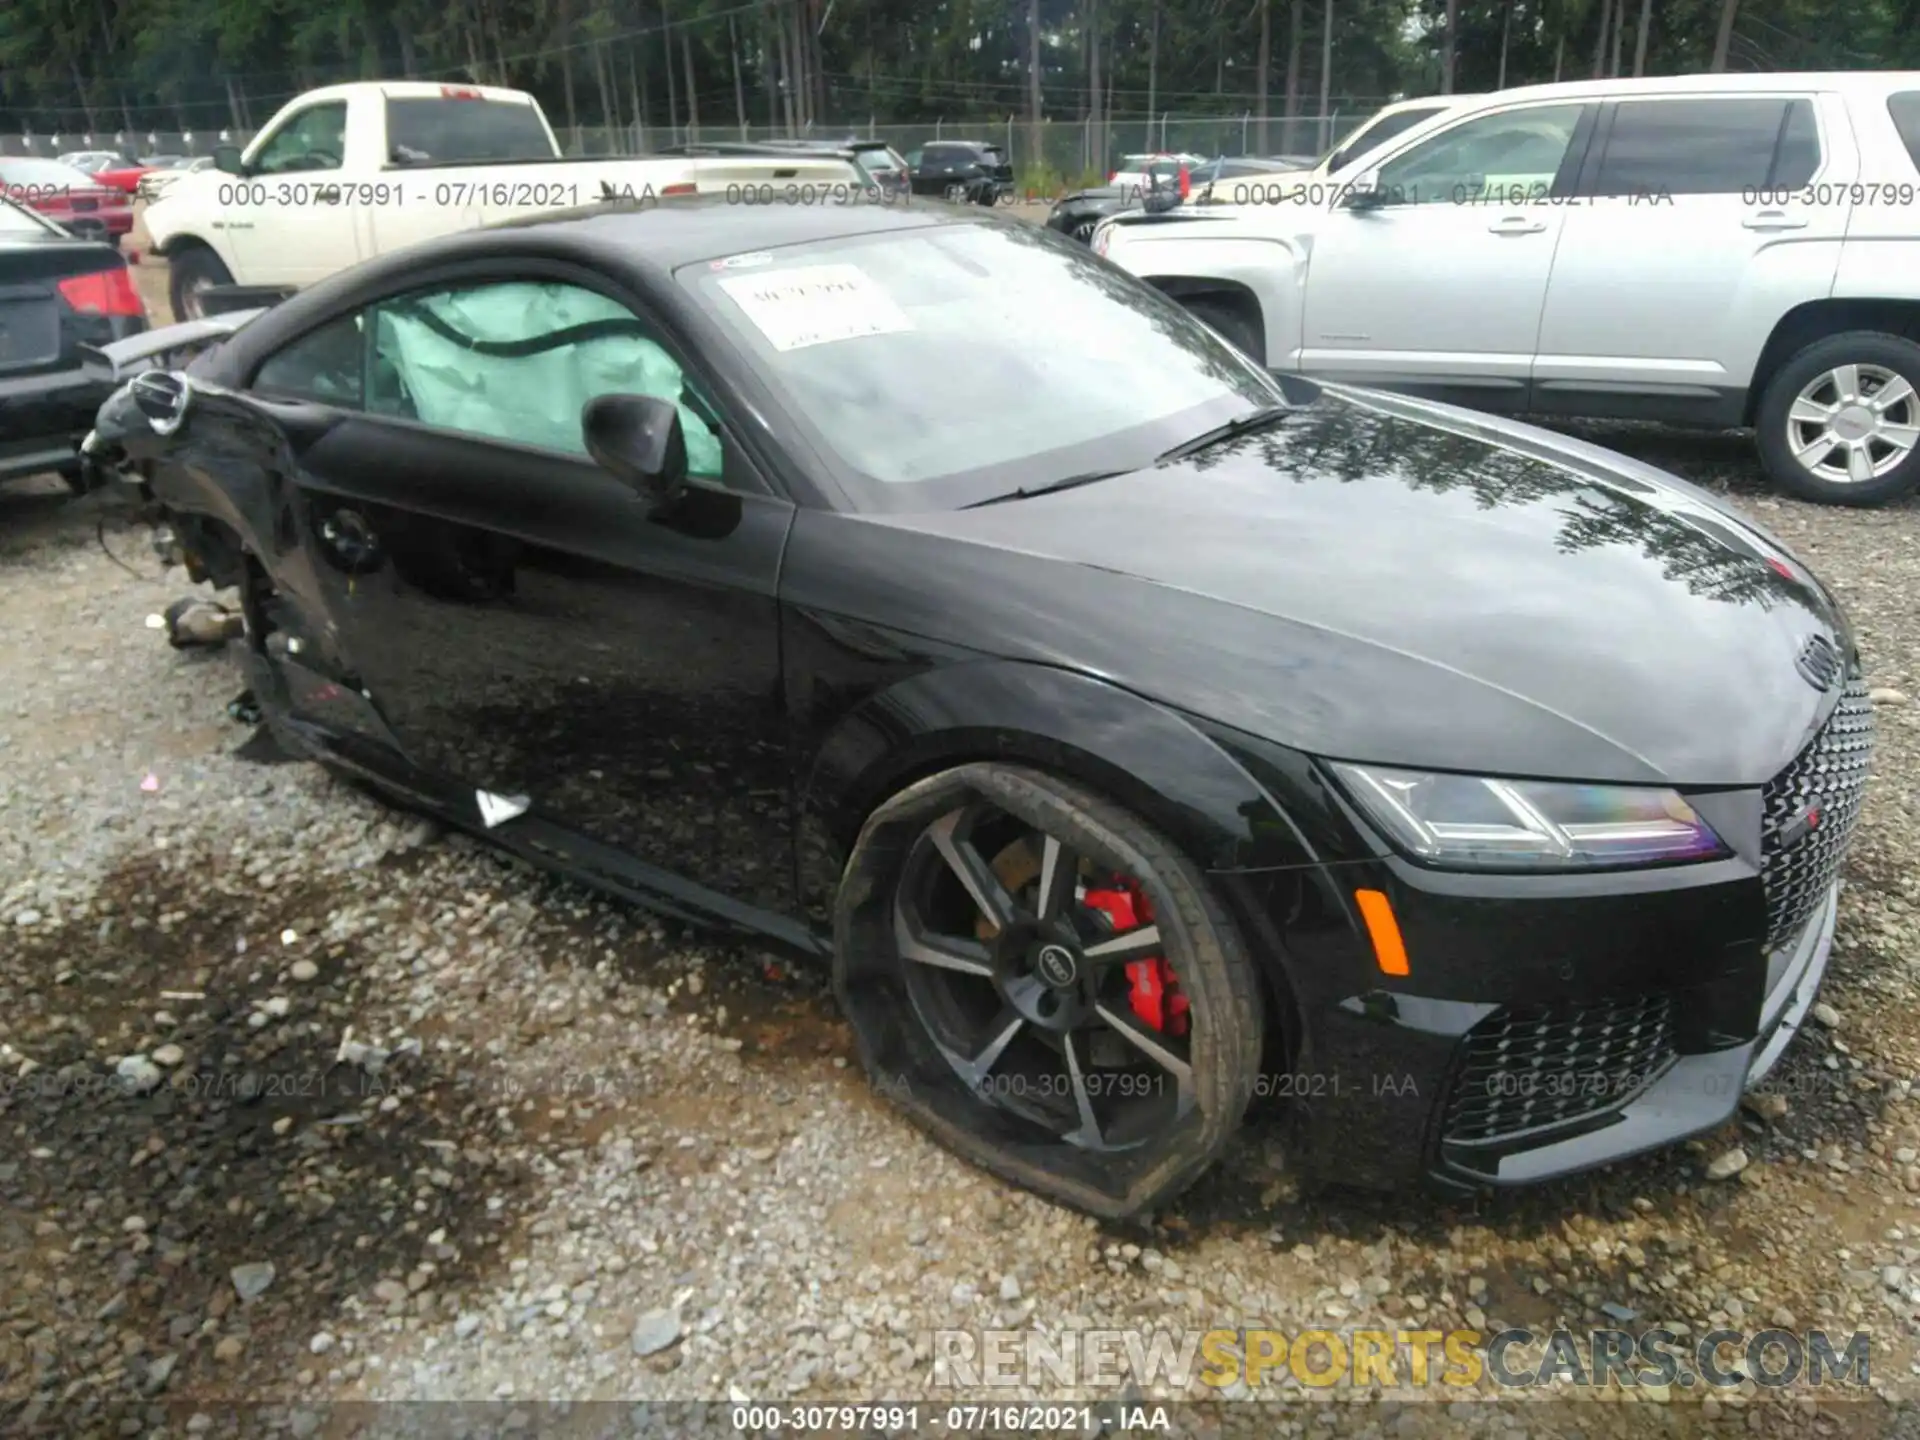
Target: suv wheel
1839, 423
1047, 987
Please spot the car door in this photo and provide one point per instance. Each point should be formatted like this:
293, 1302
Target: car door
288, 220
1439, 287
1697, 225
516, 616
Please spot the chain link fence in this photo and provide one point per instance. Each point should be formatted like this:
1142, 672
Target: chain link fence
1066, 148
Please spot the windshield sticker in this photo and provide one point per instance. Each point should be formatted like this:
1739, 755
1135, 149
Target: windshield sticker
741, 262
816, 304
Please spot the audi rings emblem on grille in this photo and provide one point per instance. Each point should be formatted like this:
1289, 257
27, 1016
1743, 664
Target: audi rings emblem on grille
1818, 662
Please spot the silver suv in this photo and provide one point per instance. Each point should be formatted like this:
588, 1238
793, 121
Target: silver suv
1718, 250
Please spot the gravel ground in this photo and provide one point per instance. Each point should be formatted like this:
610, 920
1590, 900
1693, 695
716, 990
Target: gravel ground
608, 1160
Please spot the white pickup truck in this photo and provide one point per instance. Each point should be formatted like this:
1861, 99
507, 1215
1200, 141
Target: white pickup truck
349, 171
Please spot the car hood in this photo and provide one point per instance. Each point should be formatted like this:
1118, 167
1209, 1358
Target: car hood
1387, 580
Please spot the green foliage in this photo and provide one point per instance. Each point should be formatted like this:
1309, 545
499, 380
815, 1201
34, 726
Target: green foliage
74, 64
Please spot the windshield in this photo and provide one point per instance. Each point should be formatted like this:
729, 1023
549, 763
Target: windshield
442, 130
941, 366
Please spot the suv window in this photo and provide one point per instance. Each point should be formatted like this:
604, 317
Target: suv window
1514, 150
1905, 110
311, 140
1377, 132
1709, 147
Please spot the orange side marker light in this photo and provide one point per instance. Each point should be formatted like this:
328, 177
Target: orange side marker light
1389, 950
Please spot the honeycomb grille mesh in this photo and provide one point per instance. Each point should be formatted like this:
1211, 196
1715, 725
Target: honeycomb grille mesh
1831, 773
1548, 1065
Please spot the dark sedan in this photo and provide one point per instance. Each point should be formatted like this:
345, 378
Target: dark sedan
1134, 734
57, 293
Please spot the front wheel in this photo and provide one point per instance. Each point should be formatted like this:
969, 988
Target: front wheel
1045, 985
1839, 423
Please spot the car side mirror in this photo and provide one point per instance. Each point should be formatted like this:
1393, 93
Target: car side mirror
226, 159
638, 440
1365, 193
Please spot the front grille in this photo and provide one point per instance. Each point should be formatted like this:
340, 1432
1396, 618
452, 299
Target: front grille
1552, 1064
1831, 777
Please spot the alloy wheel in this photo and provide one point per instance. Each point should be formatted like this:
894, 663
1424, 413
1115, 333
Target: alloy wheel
1042, 979
1854, 423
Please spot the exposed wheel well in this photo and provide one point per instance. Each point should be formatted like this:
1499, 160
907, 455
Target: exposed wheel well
178, 245
1804, 324
1229, 294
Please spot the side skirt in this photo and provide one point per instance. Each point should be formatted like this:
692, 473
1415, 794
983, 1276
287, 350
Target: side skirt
552, 846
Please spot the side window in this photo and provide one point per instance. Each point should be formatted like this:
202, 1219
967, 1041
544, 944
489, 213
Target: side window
1515, 150
1378, 132
1905, 110
311, 140
326, 365
1708, 147
517, 361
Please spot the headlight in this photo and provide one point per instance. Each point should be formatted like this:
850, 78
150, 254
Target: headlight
1467, 822
1102, 234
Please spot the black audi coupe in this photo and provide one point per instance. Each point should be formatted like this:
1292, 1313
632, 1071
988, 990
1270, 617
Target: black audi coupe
1136, 735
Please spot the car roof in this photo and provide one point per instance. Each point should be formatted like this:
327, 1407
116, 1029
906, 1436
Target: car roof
648, 241
1868, 82
668, 234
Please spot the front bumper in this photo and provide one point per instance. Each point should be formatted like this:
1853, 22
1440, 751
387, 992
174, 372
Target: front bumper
1509, 1090
1549, 1024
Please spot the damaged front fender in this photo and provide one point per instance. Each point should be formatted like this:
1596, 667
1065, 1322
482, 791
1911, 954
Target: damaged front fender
151, 392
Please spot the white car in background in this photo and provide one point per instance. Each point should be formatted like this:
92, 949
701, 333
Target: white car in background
1144, 172
1709, 250
155, 183
88, 161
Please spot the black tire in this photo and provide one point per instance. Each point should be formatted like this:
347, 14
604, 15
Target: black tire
192, 267
1777, 430
1230, 324
1126, 1163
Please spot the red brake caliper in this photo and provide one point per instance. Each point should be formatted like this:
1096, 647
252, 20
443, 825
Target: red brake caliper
1152, 987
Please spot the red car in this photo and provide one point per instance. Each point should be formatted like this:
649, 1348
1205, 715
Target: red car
124, 176
70, 198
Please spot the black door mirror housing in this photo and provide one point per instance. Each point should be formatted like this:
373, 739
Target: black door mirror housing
226, 159
638, 439
1364, 193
